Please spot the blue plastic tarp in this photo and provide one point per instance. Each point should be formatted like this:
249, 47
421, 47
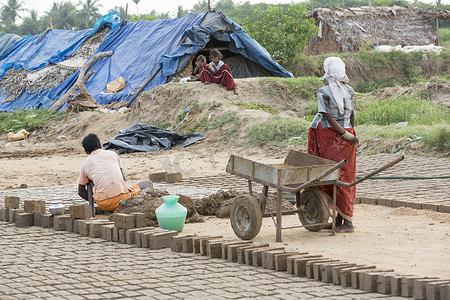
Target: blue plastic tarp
139, 49
6, 41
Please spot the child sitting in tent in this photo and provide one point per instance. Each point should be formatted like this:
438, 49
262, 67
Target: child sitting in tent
217, 71
198, 66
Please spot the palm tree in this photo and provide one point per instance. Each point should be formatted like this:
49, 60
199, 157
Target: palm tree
31, 24
89, 11
63, 15
11, 11
137, 9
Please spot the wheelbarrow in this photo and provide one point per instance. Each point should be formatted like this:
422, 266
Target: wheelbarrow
300, 174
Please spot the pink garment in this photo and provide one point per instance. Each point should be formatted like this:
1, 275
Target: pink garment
103, 168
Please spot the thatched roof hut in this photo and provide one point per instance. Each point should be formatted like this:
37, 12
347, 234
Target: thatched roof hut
345, 30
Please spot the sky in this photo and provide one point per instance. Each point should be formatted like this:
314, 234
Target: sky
148, 5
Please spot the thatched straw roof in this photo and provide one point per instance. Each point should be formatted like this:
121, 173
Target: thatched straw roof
344, 30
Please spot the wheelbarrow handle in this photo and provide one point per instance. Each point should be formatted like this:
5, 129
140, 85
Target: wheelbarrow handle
318, 178
386, 166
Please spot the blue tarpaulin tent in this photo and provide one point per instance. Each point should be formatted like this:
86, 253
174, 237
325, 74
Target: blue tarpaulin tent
139, 50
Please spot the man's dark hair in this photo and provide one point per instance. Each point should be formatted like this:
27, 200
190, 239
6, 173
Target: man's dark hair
90, 143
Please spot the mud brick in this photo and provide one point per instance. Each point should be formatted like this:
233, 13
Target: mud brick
432, 289
385, 202
309, 270
81, 211
280, 260
414, 205
69, 224
124, 221
115, 234
357, 278
257, 255
34, 206
123, 236
77, 225
384, 283
241, 251
268, 259
47, 220
161, 240
370, 281
145, 237
139, 234
430, 206
187, 244
408, 286
203, 243
226, 246
140, 219
173, 177
12, 202
12, 214
420, 289
396, 285
157, 177
372, 201
326, 270
4, 214
444, 291
290, 261
399, 203
346, 274
37, 220
336, 272
107, 232
357, 200
300, 265
214, 250
213, 240
24, 219
444, 208
95, 230
176, 245
130, 235
248, 254
85, 228
60, 222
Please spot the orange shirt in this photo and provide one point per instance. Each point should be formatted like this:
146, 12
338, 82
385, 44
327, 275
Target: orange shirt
103, 168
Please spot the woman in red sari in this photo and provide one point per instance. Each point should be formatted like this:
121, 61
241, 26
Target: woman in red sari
217, 71
331, 136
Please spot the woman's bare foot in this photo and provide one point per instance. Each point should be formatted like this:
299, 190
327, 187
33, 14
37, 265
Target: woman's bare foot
347, 227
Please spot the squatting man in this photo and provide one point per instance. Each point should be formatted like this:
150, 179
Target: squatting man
101, 178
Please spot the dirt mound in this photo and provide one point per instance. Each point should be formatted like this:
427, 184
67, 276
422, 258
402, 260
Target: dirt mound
149, 200
219, 204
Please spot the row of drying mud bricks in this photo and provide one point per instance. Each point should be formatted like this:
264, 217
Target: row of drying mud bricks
443, 208
366, 278
126, 228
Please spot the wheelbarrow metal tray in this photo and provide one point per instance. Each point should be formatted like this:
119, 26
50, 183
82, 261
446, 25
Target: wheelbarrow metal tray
297, 168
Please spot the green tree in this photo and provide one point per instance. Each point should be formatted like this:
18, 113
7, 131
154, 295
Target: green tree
283, 31
181, 12
32, 25
10, 12
63, 15
225, 6
200, 6
88, 13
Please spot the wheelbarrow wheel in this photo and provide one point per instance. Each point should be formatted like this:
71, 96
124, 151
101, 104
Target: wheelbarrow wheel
246, 217
313, 213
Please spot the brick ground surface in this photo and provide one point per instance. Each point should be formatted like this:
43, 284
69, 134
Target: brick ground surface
430, 191
39, 263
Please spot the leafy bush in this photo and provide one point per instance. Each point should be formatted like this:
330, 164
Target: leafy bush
258, 106
403, 109
282, 30
29, 120
277, 131
438, 137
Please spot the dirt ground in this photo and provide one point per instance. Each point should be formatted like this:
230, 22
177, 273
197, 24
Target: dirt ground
405, 240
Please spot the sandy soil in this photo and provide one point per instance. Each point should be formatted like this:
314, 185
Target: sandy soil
401, 239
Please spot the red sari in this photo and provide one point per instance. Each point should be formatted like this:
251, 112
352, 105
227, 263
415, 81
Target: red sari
328, 143
223, 76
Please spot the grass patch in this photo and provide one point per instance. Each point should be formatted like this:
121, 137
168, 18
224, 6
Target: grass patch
445, 36
229, 122
416, 111
435, 136
277, 131
29, 120
259, 106
302, 87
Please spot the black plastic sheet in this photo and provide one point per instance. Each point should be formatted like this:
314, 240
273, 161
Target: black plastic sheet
142, 137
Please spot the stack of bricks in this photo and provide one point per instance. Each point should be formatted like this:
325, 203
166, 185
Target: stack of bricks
165, 177
8, 213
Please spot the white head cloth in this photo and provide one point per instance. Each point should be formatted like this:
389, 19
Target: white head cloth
335, 75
